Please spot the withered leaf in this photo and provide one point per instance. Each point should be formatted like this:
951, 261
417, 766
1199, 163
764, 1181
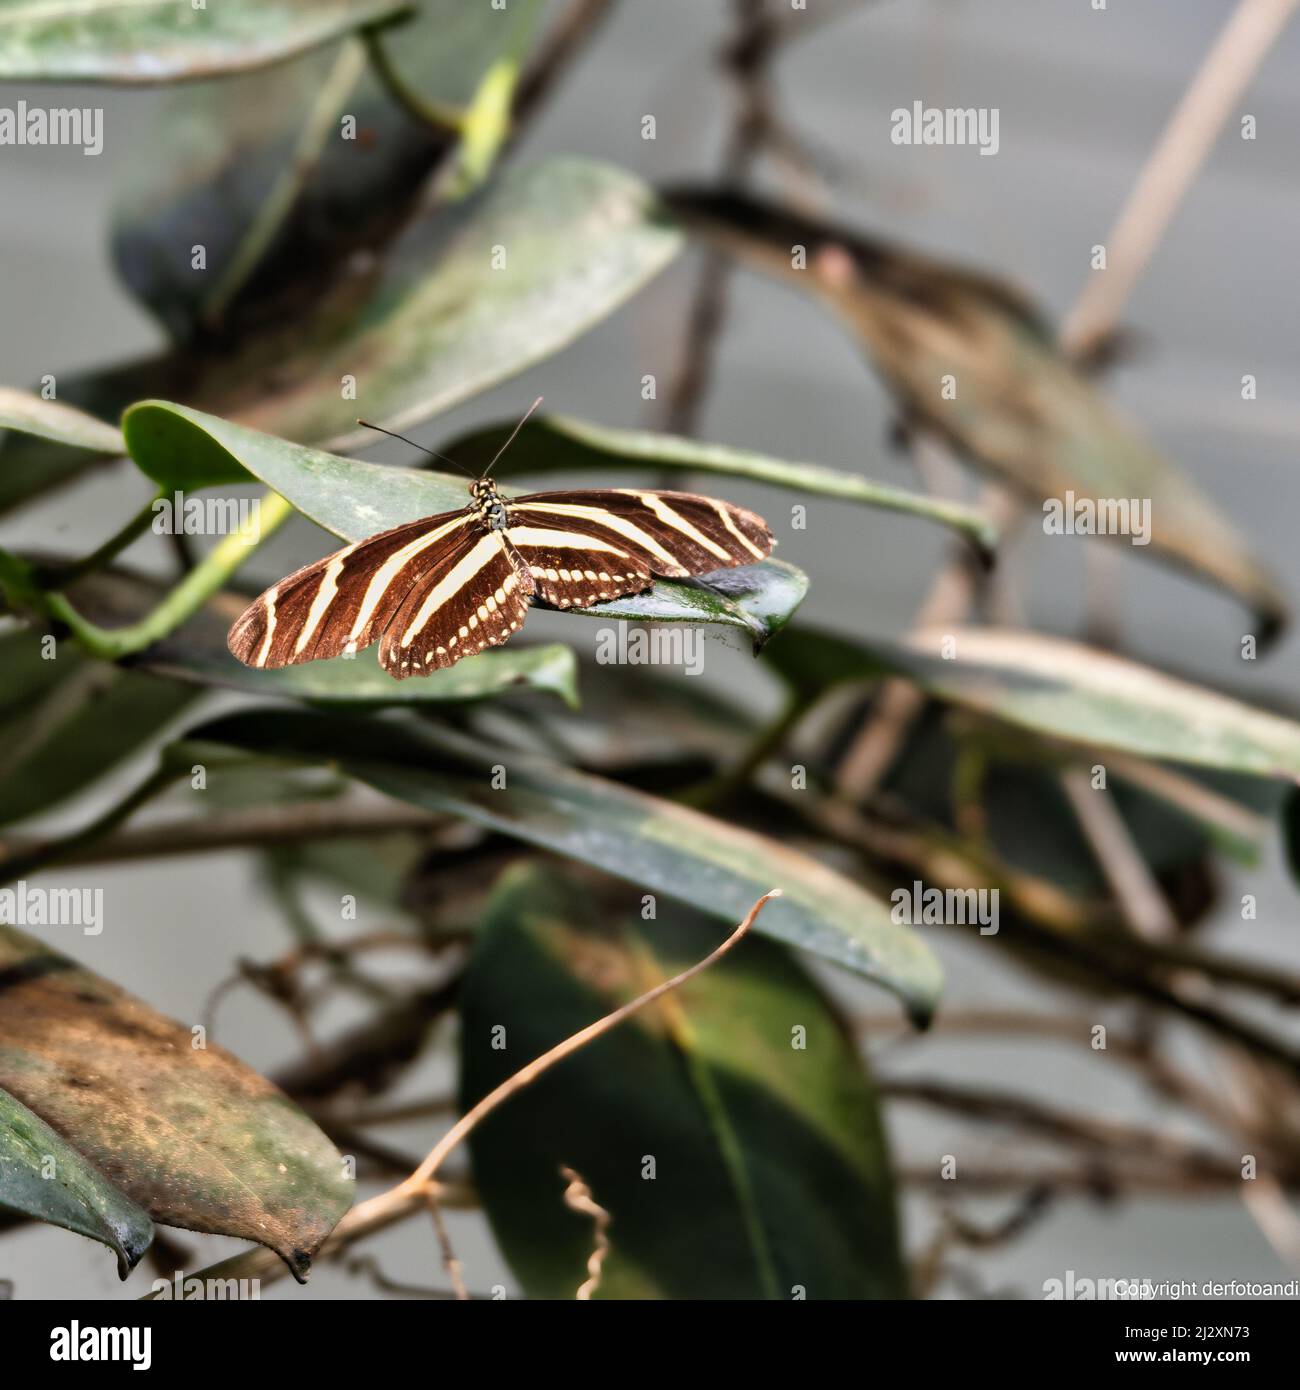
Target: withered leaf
189, 1133
1021, 408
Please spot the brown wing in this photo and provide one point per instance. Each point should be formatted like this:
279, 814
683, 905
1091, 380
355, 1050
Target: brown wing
573, 570
668, 533
343, 602
476, 597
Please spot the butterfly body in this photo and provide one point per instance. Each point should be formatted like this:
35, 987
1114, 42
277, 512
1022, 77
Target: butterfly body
445, 587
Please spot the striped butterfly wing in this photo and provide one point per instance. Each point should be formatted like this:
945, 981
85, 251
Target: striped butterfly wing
584, 546
350, 599
444, 587
342, 602
477, 596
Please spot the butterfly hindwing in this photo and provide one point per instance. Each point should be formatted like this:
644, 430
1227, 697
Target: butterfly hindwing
674, 534
477, 597
343, 602
571, 570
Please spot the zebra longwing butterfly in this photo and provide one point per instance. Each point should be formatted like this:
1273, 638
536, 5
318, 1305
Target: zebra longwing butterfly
445, 587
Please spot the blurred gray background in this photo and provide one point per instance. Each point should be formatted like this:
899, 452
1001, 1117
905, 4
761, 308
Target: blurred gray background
1082, 95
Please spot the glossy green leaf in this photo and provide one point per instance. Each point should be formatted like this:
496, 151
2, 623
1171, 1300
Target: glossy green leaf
659, 845
771, 1169
180, 447
1064, 690
72, 41
188, 1132
44, 1177
1020, 408
227, 155
562, 443
67, 720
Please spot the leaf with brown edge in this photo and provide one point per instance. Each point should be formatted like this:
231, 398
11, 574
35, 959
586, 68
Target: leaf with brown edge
1022, 409
191, 1135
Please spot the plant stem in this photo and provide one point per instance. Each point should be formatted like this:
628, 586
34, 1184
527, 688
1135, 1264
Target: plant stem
181, 603
717, 790
61, 577
437, 114
424, 1174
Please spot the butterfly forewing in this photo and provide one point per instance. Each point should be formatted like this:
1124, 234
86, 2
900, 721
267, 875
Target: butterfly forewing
342, 602
477, 597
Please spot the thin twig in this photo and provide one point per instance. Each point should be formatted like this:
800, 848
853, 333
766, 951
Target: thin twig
449, 1261
525, 1076
577, 1197
559, 49
368, 1267
1123, 865
259, 826
746, 58
1090, 1132
1170, 170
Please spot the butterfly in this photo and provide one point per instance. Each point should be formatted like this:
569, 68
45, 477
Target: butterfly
442, 588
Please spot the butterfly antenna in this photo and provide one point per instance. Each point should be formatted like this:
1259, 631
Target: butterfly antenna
433, 453
513, 432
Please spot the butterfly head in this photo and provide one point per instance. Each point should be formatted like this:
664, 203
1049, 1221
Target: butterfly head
487, 502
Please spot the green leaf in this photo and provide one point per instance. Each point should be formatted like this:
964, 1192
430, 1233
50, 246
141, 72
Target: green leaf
45, 443
189, 1133
63, 424
179, 447
757, 600
771, 1168
1021, 409
436, 325
345, 681
230, 154
578, 239
66, 721
659, 845
44, 1177
558, 442
1064, 690
70, 41
182, 448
